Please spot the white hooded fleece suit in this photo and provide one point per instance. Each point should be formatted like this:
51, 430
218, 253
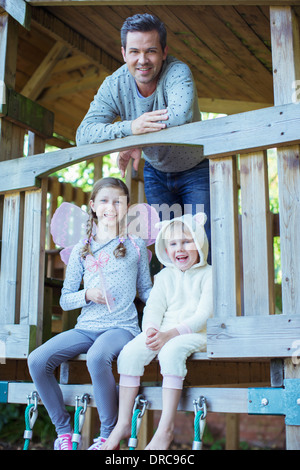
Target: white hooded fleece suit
181, 300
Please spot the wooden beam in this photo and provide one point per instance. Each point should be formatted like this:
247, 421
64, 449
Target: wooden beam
285, 40
225, 243
37, 82
16, 339
161, 2
224, 400
92, 79
59, 31
19, 10
258, 265
27, 114
220, 106
249, 337
239, 133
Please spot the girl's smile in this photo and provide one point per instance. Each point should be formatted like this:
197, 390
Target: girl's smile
110, 207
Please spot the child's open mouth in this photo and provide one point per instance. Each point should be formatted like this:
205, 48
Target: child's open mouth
182, 258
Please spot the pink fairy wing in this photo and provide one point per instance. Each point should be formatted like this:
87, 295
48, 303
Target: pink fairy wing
65, 254
68, 225
142, 220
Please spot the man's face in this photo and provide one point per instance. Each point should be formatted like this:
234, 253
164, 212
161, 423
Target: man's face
144, 58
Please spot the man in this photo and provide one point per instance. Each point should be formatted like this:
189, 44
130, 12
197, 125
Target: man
150, 92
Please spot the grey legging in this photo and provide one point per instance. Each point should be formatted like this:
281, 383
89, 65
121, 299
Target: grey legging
102, 348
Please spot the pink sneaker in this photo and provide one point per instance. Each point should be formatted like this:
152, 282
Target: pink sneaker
63, 442
97, 443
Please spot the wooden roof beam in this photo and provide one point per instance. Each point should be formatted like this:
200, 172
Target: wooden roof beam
162, 2
59, 31
91, 79
36, 83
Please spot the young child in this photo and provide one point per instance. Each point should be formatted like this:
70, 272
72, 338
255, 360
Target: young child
102, 329
174, 325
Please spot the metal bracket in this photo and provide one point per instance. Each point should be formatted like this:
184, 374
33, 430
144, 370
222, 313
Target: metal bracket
3, 392
277, 401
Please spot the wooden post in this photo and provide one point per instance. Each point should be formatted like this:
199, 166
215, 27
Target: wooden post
11, 146
258, 266
286, 72
225, 245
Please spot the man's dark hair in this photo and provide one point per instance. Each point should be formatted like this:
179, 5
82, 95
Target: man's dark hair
144, 23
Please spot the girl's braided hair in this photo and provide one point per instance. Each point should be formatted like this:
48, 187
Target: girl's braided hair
120, 250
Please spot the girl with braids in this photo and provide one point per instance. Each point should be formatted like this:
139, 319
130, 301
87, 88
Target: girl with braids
113, 267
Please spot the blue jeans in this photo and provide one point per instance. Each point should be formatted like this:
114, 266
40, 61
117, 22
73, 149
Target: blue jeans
183, 192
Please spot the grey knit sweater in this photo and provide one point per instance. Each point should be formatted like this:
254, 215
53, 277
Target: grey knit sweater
118, 96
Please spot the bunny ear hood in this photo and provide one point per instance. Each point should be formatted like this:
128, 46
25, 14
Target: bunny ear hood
195, 225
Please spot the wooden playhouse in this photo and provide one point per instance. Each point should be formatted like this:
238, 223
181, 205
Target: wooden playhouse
245, 57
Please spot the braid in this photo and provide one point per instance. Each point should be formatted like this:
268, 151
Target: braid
86, 250
120, 250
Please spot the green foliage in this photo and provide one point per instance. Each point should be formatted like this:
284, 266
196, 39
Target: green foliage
82, 174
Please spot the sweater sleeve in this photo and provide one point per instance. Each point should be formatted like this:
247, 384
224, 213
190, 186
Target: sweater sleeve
144, 284
180, 94
98, 124
72, 296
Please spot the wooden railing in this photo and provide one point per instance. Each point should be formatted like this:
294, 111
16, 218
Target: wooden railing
23, 185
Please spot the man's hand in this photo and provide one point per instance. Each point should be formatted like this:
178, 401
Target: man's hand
125, 156
150, 122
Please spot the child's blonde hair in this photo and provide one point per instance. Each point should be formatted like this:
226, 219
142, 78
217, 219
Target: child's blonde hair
120, 250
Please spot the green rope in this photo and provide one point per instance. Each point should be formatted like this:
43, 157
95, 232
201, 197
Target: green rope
76, 426
27, 425
197, 426
133, 426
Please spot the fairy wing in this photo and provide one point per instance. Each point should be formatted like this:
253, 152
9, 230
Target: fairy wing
142, 221
68, 226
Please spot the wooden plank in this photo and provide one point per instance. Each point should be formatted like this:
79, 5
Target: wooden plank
60, 31
286, 65
162, 2
222, 106
27, 114
239, 133
33, 257
258, 266
36, 83
224, 228
9, 257
226, 400
19, 10
285, 37
270, 336
16, 340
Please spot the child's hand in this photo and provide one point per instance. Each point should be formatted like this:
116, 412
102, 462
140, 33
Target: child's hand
95, 295
158, 339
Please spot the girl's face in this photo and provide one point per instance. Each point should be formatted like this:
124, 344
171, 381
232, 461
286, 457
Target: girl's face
110, 206
181, 248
